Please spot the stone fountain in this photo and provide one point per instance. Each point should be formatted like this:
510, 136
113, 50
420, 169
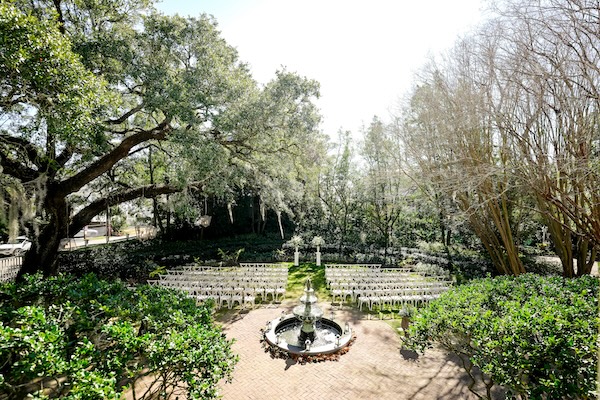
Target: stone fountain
306, 331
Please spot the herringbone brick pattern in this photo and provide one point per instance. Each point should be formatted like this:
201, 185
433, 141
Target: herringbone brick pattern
374, 368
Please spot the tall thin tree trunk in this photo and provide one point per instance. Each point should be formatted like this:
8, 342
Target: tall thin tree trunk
253, 222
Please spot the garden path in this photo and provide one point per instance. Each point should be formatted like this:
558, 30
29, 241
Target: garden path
376, 367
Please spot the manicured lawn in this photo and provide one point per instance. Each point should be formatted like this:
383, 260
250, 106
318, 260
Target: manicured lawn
297, 278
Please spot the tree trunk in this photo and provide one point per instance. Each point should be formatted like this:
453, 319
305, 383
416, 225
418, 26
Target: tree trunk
43, 255
156, 218
253, 222
586, 256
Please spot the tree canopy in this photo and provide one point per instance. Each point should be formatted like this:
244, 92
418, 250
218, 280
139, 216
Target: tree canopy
89, 89
108, 101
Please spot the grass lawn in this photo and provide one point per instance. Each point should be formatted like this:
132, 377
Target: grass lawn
297, 278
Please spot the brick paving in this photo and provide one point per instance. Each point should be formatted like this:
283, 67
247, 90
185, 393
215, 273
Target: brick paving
375, 367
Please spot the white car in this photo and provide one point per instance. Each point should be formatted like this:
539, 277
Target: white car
17, 248
86, 233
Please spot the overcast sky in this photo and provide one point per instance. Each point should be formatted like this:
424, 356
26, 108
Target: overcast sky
363, 53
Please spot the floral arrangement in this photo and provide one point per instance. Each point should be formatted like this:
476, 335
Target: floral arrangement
297, 241
318, 241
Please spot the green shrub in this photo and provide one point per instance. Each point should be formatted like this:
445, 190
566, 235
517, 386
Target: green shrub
431, 270
133, 261
433, 247
92, 339
535, 336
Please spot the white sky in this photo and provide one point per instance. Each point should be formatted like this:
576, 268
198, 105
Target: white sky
363, 53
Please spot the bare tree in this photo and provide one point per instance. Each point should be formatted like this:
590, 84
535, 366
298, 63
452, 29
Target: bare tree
546, 79
453, 141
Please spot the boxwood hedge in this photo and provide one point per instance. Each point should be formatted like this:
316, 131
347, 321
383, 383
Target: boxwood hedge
533, 335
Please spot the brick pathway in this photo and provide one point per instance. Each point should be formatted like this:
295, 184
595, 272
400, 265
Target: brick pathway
374, 368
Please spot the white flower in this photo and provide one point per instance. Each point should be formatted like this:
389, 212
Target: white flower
297, 241
318, 241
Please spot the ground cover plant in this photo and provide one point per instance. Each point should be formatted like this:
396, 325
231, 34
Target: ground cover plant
533, 335
90, 339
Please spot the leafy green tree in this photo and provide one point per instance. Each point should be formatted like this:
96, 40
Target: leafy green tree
93, 339
384, 185
337, 192
98, 91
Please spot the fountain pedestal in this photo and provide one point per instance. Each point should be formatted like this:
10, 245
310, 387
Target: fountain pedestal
305, 331
308, 312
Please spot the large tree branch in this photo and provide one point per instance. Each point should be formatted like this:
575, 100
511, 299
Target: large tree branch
65, 156
61, 19
124, 117
121, 151
17, 170
84, 216
23, 146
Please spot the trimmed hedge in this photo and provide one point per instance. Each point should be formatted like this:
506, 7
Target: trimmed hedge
90, 339
535, 336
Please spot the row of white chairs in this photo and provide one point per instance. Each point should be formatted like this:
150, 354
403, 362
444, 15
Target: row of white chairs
399, 281
368, 275
360, 277
389, 285
262, 289
395, 299
225, 294
224, 280
228, 285
343, 267
366, 272
382, 287
228, 281
355, 293
361, 280
258, 269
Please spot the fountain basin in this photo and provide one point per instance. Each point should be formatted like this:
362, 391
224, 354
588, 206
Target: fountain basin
285, 333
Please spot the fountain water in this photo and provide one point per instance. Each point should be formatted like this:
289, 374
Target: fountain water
306, 331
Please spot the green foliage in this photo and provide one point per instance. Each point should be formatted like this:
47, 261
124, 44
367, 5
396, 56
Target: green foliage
230, 258
39, 68
133, 260
536, 336
159, 270
430, 247
426, 269
87, 339
114, 99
